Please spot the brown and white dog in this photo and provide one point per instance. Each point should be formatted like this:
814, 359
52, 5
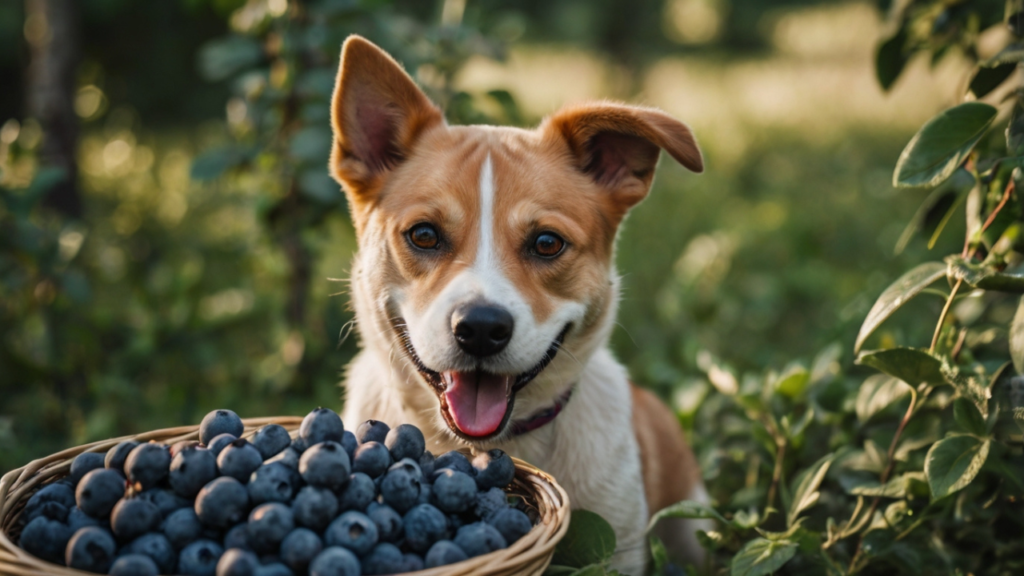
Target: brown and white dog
484, 289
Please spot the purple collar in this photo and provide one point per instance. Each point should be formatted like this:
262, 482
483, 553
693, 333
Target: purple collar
541, 417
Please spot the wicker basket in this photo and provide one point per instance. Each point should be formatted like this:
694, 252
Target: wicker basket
531, 554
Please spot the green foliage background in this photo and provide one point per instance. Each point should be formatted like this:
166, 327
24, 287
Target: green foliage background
206, 269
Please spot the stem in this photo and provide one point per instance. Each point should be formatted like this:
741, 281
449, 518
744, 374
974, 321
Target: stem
777, 472
889, 466
942, 317
1007, 192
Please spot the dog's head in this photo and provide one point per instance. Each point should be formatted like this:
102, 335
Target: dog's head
486, 252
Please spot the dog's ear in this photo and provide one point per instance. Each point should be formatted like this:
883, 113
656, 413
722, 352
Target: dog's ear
618, 145
377, 113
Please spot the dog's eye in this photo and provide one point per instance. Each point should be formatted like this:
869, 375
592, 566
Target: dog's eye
424, 236
548, 245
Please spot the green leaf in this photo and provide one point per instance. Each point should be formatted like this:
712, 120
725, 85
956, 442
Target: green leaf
211, 164
555, 570
312, 144
762, 556
592, 570
878, 392
967, 417
1017, 338
942, 144
685, 509
984, 277
891, 58
805, 492
972, 385
986, 80
953, 462
589, 540
898, 294
220, 59
911, 365
793, 382
658, 553
315, 184
894, 488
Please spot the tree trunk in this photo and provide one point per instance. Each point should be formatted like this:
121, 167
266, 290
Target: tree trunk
52, 32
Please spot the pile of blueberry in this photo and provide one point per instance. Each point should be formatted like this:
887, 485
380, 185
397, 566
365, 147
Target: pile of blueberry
327, 503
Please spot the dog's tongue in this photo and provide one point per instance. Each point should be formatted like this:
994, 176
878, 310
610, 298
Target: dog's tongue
477, 401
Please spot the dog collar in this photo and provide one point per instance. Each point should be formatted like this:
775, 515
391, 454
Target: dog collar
541, 417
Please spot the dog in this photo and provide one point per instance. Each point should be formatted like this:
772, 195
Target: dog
484, 289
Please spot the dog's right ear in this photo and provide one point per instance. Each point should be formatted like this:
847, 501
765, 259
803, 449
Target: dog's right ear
377, 113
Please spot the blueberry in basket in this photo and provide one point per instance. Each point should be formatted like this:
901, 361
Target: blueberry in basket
326, 501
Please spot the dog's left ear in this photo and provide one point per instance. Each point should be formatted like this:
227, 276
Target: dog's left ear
618, 145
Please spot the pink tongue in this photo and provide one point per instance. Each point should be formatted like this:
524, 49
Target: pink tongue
477, 401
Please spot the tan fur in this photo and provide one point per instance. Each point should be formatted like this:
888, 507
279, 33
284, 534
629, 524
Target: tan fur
576, 175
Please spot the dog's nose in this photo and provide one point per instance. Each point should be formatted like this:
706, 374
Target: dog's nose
482, 330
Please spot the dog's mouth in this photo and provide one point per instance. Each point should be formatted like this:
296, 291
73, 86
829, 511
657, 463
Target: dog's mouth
477, 404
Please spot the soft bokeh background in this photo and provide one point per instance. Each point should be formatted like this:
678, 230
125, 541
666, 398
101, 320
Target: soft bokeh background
194, 259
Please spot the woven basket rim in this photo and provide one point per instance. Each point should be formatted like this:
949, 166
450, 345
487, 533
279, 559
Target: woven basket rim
531, 554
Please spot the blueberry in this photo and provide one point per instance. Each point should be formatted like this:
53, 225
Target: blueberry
372, 431
352, 530
223, 502
219, 442
166, 500
269, 524
134, 565
271, 439
321, 425
335, 561
78, 519
273, 569
411, 563
426, 462
443, 553
238, 537
299, 548
401, 488
220, 422
489, 502
325, 465
456, 521
299, 444
177, 447
157, 547
147, 464
116, 456
315, 507
46, 539
424, 525
455, 460
182, 527
410, 466
98, 491
479, 538
358, 494
453, 491
134, 517
239, 460
191, 469
270, 483
494, 469
372, 458
405, 441
52, 510
83, 464
91, 549
511, 523
385, 558
236, 562
426, 493
199, 558
288, 457
349, 443
56, 493
389, 522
